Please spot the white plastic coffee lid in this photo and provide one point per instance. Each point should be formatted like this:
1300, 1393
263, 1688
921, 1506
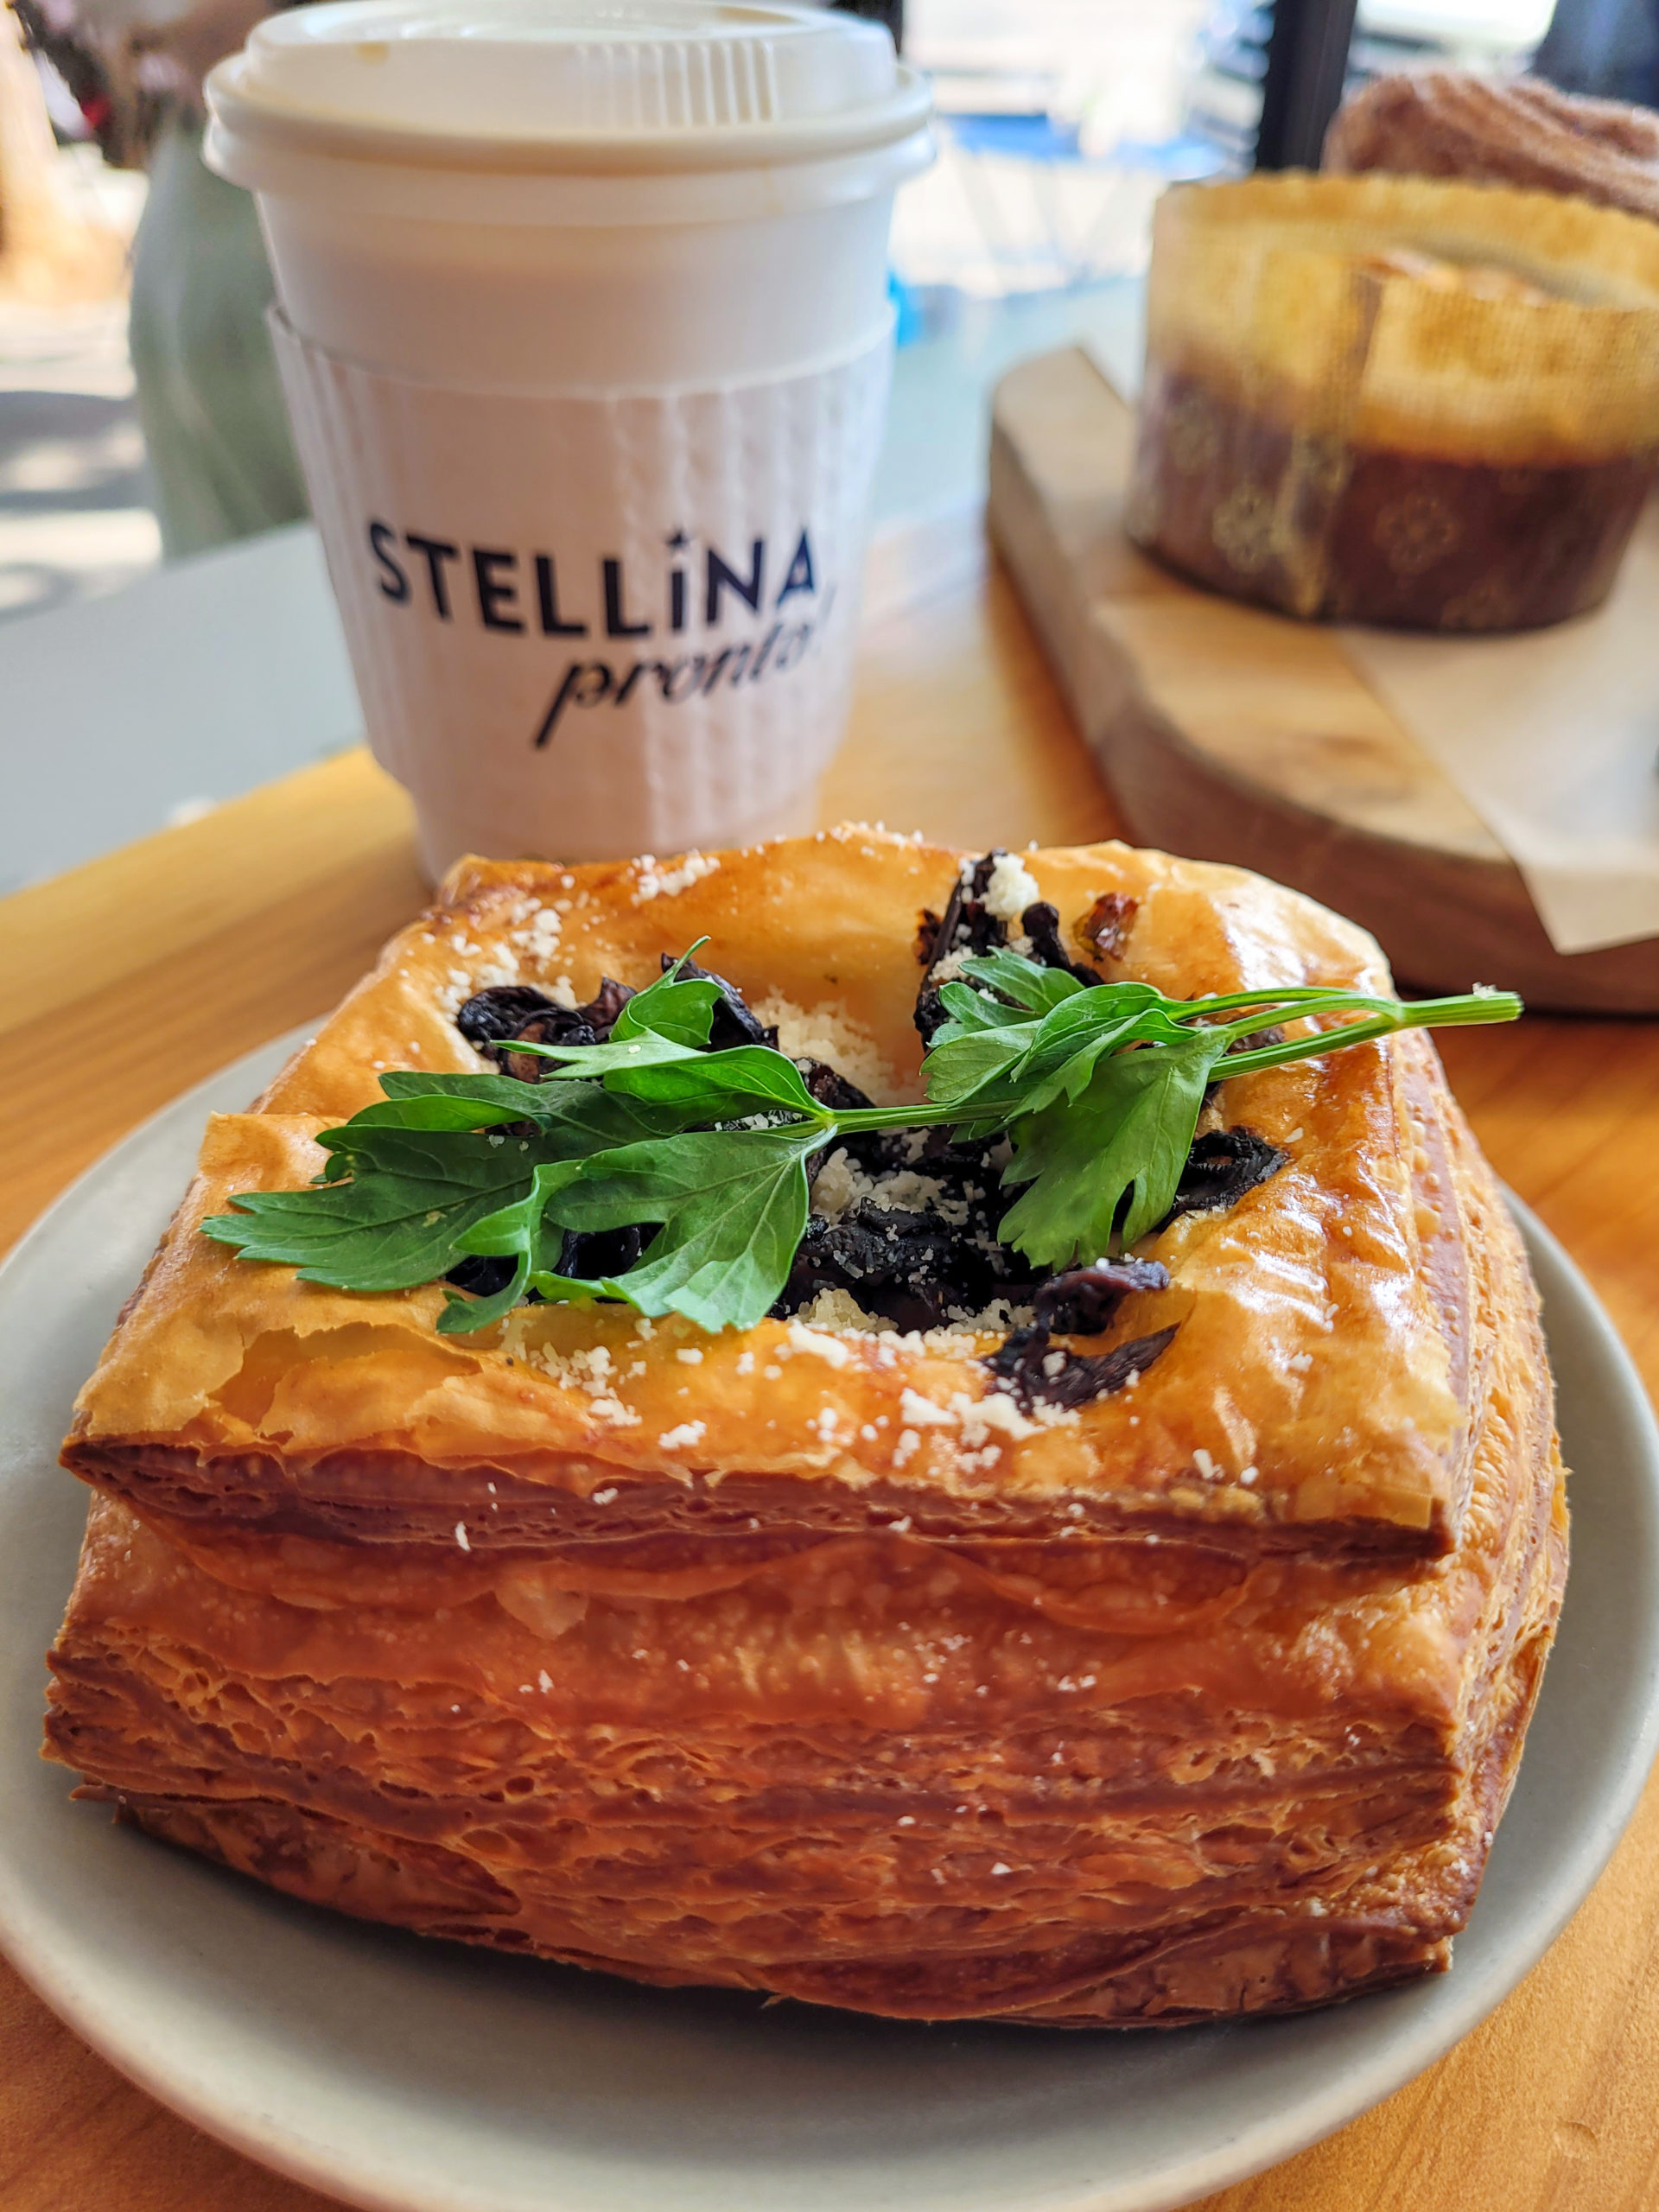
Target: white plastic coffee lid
590, 85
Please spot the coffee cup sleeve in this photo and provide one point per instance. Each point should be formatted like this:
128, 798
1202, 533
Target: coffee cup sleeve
619, 622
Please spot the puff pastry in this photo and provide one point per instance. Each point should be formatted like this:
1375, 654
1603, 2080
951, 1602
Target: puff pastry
787, 1660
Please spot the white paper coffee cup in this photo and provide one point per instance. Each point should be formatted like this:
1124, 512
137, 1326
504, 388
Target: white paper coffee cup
583, 322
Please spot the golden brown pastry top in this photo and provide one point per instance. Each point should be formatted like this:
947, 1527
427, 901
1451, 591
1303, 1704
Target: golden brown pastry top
1449, 122
1316, 1385
1277, 292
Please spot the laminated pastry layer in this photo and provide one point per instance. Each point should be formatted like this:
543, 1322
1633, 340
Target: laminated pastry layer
1238, 1963
1095, 1781
885, 1627
1092, 1784
1317, 1393
804, 1661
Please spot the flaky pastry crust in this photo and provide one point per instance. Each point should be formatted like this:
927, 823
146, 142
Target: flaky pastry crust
1317, 1391
1076, 1726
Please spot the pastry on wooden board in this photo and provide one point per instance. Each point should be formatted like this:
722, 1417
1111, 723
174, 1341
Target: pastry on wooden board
805, 1657
1521, 131
1398, 400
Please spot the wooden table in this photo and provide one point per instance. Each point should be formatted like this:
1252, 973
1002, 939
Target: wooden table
180, 952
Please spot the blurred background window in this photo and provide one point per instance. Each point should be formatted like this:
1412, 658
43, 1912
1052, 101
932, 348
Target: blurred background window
1060, 123
1495, 37
1061, 120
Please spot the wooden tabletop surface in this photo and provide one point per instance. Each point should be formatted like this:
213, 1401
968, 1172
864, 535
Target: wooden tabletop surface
195, 946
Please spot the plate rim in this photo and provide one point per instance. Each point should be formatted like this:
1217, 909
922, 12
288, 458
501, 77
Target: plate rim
1397, 2059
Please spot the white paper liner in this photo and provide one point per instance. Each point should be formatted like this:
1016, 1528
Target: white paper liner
1553, 737
463, 528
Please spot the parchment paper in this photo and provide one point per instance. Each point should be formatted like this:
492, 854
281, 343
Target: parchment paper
1554, 739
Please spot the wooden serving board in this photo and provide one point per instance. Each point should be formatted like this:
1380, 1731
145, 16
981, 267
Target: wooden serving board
1231, 734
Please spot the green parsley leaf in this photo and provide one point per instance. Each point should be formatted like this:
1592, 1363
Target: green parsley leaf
521, 1231
1099, 1089
456, 1101
1035, 989
722, 1086
972, 1010
398, 1222
680, 1010
744, 1080
571, 1118
1124, 1142
1031, 1063
733, 1204
969, 1056
646, 1049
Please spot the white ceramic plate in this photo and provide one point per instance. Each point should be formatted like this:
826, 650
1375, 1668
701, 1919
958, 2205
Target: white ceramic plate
430, 2078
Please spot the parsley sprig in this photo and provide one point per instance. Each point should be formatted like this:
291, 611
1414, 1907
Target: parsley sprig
1098, 1089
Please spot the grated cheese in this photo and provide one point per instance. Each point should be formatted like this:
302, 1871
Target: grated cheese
839, 1309
818, 1343
982, 1417
829, 1033
1012, 888
655, 882
921, 1412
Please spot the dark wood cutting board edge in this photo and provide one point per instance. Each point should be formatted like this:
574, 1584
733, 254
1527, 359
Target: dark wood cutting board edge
1229, 734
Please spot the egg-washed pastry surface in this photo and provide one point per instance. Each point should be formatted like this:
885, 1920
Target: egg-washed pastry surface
817, 1658
1398, 399
1317, 1390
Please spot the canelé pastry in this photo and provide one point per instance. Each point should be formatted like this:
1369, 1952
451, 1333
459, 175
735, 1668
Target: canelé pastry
1187, 1679
1519, 131
1398, 400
